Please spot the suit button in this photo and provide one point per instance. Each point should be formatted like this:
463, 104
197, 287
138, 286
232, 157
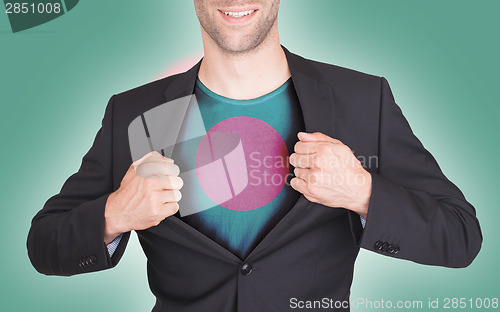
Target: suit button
384, 246
246, 269
396, 249
390, 249
93, 260
378, 245
87, 262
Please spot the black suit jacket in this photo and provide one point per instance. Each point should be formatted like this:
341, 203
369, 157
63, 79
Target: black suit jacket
415, 212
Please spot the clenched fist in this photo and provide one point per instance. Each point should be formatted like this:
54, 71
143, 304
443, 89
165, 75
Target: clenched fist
148, 193
328, 173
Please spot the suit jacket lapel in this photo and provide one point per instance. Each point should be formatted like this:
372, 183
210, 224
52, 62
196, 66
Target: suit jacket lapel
316, 98
183, 84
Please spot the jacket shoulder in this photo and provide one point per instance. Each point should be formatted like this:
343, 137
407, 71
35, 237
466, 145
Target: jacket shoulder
150, 90
338, 75
134, 102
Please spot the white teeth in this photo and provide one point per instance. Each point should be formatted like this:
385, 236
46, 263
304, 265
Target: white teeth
239, 14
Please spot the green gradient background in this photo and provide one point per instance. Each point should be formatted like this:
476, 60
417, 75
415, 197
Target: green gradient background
440, 57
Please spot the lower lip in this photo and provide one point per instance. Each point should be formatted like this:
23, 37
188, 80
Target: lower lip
237, 20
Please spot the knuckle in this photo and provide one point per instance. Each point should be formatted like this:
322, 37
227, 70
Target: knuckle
324, 148
180, 182
317, 161
144, 166
312, 179
177, 195
155, 210
176, 169
172, 208
172, 169
304, 162
159, 198
158, 219
150, 198
148, 183
132, 168
311, 189
311, 199
314, 171
164, 196
168, 196
314, 176
166, 183
142, 170
346, 150
297, 146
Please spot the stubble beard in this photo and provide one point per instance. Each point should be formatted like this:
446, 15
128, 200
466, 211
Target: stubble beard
247, 44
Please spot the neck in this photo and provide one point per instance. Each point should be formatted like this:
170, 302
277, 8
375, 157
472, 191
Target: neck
245, 75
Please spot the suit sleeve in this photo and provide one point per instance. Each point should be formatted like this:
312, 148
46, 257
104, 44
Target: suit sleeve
415, 212
67, 236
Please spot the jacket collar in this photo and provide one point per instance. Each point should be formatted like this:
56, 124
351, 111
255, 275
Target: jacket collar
315, 96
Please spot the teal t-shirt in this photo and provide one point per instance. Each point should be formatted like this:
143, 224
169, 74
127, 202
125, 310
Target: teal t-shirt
266, 131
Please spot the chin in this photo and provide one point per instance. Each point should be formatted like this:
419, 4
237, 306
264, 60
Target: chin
238, 45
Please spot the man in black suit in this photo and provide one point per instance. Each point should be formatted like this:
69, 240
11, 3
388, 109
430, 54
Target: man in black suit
306, 248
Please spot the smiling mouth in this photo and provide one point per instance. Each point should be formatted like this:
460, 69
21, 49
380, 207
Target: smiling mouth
238, 14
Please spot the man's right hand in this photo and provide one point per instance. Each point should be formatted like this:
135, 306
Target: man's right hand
148, 193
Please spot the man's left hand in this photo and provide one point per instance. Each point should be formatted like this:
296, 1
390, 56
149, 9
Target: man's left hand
328, 173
